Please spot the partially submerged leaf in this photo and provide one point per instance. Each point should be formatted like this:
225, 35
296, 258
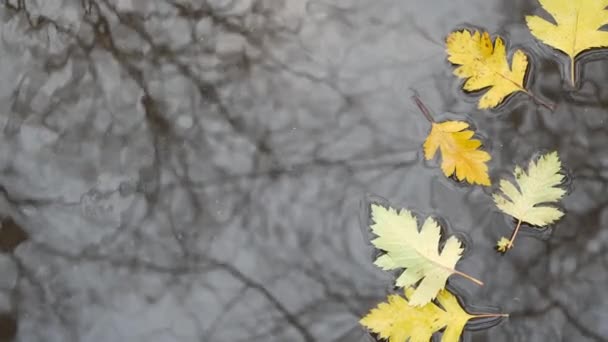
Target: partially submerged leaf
529, 200
397, 320
416, 251
577, 27
503, 245
460, 153
485, 66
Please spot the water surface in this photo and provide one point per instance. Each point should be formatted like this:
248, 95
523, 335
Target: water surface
177, 170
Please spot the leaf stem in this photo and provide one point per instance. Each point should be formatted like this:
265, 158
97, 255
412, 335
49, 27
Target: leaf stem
423, 108
510, 245
536, 99
572, 73
464, 275
550, 106
489, 315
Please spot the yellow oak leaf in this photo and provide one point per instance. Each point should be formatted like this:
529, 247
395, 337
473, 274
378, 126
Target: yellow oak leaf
461, 154
416, 251
485, 66
398, 321
536, 188
576, 29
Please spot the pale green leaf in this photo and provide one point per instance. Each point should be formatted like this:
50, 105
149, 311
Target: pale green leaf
536, 188
416, 251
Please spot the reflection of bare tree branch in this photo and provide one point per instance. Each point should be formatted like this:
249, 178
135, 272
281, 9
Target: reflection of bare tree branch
215, 325
29, 276
289, 317
554, 303
206, 89
578, 324
184, 270
572, 319
295, 170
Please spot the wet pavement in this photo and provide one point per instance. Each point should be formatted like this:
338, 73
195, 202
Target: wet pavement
176, 170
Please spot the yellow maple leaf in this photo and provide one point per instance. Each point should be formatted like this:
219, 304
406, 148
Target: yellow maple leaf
416, 251
528, 200
485, 65
576, 29
461, 154
398, 321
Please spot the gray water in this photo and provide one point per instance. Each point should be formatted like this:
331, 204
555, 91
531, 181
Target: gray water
176, 170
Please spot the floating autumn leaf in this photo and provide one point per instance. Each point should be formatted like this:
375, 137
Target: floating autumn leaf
399, 321
538, 186
461, 154
416, 251
502, 245
576, 29
484, 65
